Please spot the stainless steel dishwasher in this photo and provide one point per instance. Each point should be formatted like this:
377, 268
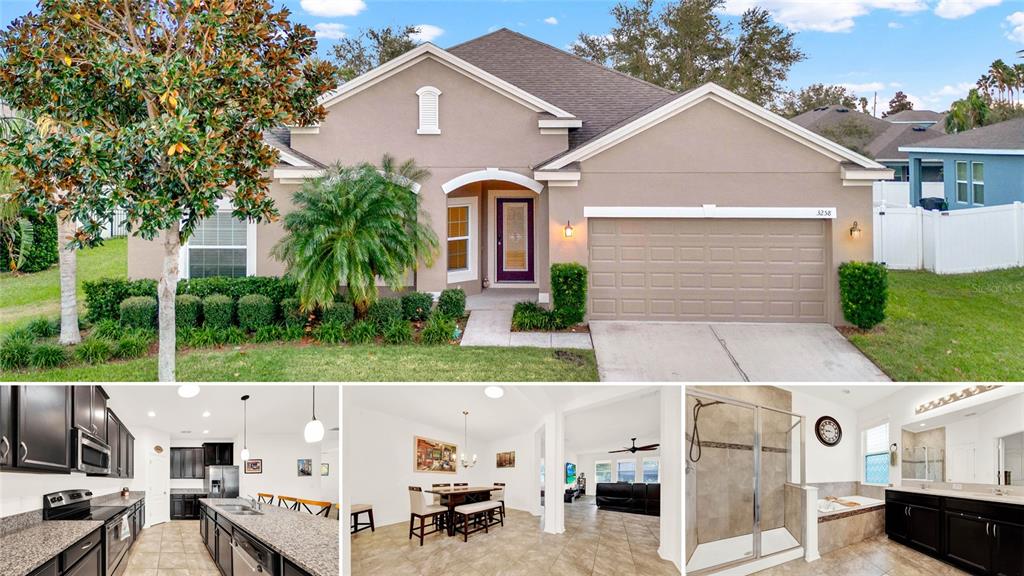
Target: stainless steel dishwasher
251, 558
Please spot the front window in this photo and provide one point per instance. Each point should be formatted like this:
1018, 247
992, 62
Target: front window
652, 470
458, 238
603, 472
876, 455
626, 470
961, 182
218, 247
978, 182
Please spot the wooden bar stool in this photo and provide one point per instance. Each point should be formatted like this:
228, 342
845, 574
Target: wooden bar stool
265, 498
325, 507
289, 502
358, 509
418, 508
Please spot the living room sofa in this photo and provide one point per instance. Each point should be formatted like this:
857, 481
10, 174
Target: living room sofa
636, 498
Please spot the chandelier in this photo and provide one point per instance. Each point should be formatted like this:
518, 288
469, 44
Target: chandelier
465, 429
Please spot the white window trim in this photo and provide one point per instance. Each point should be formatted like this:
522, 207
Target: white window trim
472, 260
611, 471
422, 93
633, 460
973, 182
864, 451
656, 459
224, 205
957, 181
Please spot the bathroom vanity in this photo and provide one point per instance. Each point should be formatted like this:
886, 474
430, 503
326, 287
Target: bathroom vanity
979, 533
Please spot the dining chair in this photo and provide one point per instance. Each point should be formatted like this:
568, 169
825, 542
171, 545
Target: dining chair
265, 498
481, 514
418, 508
289, 502
309, 505
499, 496
356, 525
440, 500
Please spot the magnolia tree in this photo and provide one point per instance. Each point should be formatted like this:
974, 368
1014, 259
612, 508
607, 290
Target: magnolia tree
167, 101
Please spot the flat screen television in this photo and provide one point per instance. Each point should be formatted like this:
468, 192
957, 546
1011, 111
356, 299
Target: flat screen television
570, 473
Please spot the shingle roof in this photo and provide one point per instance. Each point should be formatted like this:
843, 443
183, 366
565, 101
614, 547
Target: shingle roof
916, 116
599, 96
281, 138
820, 118
886, 145
1008, 135
882, 139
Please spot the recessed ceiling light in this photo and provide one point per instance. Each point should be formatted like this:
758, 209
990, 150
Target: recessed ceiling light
151, 414
188, 390
922, 424
206, 431
206, 414
494, 392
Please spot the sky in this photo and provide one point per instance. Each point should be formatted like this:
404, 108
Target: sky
933, 50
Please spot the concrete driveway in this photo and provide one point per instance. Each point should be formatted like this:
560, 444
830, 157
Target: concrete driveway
734, 352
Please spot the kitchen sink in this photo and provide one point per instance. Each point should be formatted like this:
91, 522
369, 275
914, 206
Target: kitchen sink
240, 510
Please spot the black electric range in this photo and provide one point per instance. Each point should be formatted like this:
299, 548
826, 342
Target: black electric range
117, 532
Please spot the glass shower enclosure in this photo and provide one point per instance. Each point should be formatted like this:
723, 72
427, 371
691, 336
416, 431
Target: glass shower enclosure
744, 473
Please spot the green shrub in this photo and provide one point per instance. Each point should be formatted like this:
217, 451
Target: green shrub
103, 297
218, 311
273, 287
108, 329
384, 311
139, 312
15, 351
132, 345
330, 332
440, 329
47, 356
531, 316
232, 335
44, 327
416, 306
186, 311
568, 293
255, 310
341, 313
362, 332
292, 333
94, 350
291, 314
452, 303
201, 337
42, 253
863, 291
268, 333
398, 332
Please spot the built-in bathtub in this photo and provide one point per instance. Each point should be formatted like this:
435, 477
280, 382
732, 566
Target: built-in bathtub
828, 507
840, 526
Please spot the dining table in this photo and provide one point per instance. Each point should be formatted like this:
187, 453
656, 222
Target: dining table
458, 495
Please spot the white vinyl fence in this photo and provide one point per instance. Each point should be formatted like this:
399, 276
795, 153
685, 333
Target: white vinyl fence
886, 193
116, 226
954, 242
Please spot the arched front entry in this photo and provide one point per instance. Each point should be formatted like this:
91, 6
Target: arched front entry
495, 232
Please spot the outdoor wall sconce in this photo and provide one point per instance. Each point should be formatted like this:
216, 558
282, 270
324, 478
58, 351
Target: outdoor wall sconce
568, 229
855, 231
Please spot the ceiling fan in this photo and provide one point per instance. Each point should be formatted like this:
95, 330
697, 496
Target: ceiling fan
634, 448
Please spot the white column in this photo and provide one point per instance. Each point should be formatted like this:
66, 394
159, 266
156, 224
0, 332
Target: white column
811, 523
346, 495
554, 475
671, 475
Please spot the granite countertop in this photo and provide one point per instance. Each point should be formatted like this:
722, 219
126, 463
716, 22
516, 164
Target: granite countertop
310, 542
28, 549
1012, 499
115, 499
188, 491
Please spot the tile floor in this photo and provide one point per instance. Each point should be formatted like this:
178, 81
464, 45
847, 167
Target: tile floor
873, 557
170, 549
595, 543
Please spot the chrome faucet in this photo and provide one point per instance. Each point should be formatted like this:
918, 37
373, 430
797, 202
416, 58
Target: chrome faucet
256, 504
1001, 491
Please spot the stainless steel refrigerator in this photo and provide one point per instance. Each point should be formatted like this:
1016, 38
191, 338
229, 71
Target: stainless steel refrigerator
221, 481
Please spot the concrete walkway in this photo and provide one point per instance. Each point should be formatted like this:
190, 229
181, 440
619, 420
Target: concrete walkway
490, 323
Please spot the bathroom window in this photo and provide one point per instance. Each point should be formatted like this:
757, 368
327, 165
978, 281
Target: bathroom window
652, 470
603, 471
876, 455
626, 470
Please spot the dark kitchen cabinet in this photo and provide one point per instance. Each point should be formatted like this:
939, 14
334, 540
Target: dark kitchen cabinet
114, 441
292, 570
185, 506
49, 569
90, 565
130, 451
210, 536
968, 538
223, 550
177, 507
219, 453
6, 426
42, 427
187, 463
1008, 551
122, 446
923, 527
90, 410
914, 519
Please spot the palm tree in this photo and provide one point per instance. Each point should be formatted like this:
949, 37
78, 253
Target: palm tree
352, 226
970, 112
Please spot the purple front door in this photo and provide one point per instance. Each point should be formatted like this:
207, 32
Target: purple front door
515, 240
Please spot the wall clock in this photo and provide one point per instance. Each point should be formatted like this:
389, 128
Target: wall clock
828, 431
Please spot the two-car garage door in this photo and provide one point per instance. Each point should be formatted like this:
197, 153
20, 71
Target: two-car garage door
708, 269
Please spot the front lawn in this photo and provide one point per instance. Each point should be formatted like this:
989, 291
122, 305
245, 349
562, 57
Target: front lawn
367, 362
963, 327
24, 297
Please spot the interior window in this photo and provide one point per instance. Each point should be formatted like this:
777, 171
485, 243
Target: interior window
458, 238
876, 455
626, 470
218, 247
652, 470
603, 472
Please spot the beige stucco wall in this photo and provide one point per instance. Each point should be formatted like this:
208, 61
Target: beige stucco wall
711, 154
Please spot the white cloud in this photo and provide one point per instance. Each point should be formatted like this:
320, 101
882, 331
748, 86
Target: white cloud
1015, 22
823, 16
865, 87
958, 90
551, 20
895, 25
427, 33
333, 8
953, 9
329, 30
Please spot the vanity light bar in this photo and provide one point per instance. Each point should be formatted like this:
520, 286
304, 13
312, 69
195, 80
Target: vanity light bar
950, 398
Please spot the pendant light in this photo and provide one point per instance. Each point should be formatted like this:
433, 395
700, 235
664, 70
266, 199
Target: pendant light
245, 431
314, 431
465, 439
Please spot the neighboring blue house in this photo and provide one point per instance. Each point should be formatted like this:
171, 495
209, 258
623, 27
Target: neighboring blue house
981, 167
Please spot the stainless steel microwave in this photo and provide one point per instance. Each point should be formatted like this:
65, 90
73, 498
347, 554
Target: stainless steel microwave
92, 456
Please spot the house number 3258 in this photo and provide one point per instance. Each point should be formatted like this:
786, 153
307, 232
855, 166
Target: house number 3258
824, 212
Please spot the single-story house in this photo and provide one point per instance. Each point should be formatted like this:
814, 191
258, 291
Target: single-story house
685, 206
983, 166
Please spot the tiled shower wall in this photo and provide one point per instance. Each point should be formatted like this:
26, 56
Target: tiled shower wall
914, 454
691, 503
795, 512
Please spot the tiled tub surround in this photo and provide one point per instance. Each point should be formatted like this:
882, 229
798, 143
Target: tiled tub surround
845, 528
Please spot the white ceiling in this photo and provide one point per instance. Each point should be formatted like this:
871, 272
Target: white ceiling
610, 426
852, 396
271, 409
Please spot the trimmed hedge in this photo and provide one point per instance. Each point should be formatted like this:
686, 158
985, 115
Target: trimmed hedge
186, 311
383, 312
291, 314
568, 293
103, 297
416, 306
863, 292
531, 316
342, 312
43, 252
452, 303
218, 311
254, 311
138, 312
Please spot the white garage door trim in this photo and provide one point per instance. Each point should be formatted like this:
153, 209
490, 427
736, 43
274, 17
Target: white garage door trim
710, 211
